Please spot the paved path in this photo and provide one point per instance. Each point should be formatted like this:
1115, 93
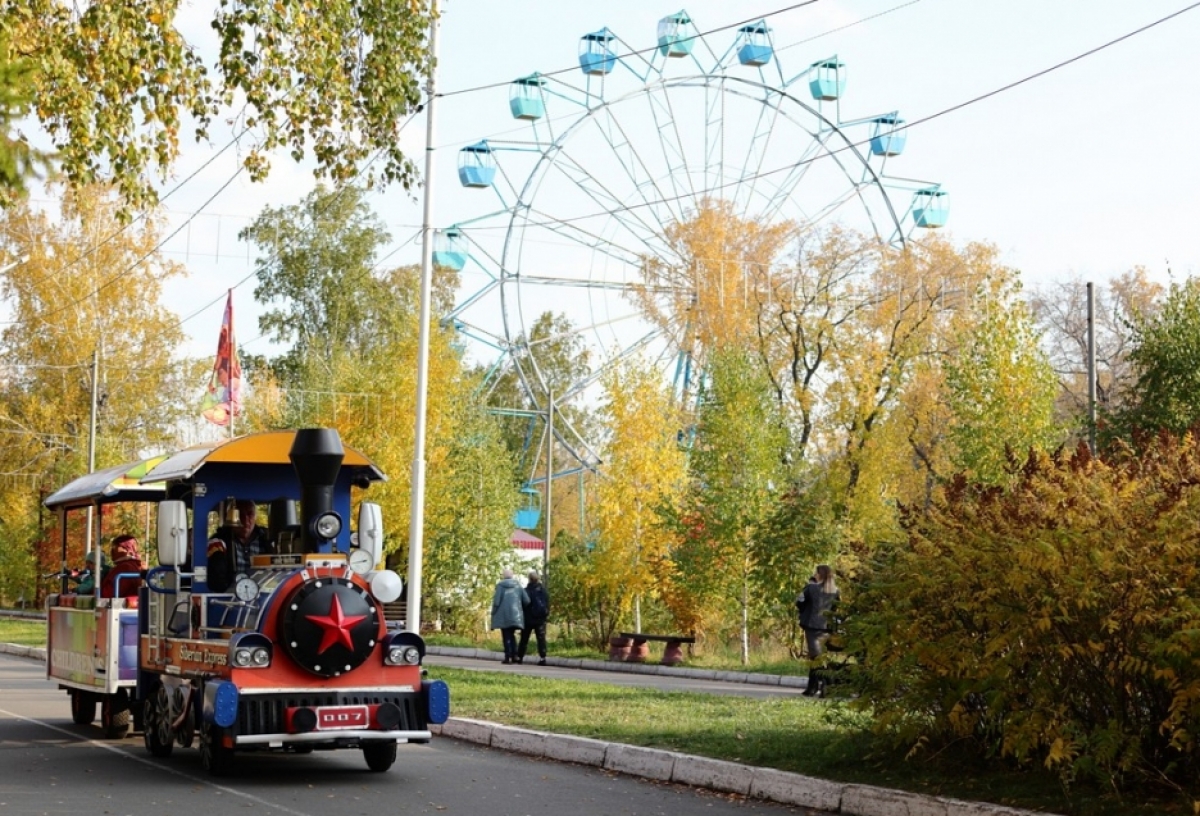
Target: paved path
644, 675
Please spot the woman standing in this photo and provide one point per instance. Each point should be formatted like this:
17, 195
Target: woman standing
818, 596
508, 616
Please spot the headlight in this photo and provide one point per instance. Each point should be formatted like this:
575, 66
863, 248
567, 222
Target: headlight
328, 525
412, 655
261, 656
242, 658
396, 655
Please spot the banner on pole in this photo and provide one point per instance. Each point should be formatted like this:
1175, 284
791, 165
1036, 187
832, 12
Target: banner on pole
222, 398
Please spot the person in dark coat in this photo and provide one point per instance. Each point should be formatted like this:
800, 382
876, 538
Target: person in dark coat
814, 602
536, 612
508, 602
230, 550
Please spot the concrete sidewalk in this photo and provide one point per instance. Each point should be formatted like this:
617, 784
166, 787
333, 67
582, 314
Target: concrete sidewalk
670, 766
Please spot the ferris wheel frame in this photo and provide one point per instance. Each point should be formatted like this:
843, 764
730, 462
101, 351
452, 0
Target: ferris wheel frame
516, 171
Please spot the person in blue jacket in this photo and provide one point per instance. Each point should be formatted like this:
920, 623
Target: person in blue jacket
508, 601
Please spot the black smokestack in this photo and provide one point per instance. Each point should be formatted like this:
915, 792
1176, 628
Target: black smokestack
317, 455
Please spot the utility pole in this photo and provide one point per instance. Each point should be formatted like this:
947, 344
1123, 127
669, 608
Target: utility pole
416, 525
1091, 365
549, 483
91, 450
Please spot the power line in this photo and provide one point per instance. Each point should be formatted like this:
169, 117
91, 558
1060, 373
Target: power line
853, 145
848, 25
639, 51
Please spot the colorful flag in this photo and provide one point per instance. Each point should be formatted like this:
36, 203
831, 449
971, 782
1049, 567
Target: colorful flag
222, 399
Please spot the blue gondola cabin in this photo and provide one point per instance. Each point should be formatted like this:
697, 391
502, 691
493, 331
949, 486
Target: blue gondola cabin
828, 80
596, 57
476, 165
525, 98
888, 136
754, 45
676, 35
450, 249
530, 511
931, 207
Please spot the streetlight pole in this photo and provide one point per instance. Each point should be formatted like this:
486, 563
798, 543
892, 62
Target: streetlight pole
549, 481
416, 525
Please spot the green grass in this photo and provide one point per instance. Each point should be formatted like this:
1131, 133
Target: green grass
821, 738
23, 632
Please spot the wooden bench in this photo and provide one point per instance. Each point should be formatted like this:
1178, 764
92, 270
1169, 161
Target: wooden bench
636, 648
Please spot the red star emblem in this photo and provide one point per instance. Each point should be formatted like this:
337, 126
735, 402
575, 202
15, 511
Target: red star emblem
336, 625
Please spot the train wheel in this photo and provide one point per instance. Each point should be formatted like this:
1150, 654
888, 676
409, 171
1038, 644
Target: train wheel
83, 707
156, 734
379, 755
216, 758
115, 716
185, 734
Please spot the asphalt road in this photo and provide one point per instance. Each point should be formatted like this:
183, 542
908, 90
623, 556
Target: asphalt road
49, 765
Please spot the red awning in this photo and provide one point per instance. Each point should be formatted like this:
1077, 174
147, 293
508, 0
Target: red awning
522, 540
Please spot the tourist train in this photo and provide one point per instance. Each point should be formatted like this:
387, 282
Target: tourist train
297, 653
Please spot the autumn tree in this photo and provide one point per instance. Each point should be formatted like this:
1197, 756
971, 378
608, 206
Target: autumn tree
1166, 346
1000, 389
18, 160
73, 299
115, 83
644, 472
737, 470
352, 363
1050, 622
1060, 314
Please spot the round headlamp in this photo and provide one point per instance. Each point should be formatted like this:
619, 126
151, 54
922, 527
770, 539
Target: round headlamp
328, 525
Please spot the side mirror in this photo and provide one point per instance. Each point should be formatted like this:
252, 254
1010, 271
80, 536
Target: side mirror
370, 529
172, 533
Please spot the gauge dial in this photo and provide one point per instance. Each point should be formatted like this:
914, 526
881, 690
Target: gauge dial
361, 561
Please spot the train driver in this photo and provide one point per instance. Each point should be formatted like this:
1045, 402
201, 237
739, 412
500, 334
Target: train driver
230, 548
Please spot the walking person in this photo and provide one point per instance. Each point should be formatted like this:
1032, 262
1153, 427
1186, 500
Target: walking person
508, 602
814, 602
536, 612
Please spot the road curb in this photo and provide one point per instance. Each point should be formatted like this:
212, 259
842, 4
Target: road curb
728, 777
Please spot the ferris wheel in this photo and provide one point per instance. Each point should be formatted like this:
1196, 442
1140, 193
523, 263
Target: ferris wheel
600, 198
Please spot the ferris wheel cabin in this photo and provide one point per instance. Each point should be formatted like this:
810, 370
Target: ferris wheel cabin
828, 80
931, 207
525, 98
476, 165
450, 249
530, 512
676, 35
888, 136
596, 58
754, 44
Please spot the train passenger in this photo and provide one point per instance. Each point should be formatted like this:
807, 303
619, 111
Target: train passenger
91, 577
118, 582
230, 549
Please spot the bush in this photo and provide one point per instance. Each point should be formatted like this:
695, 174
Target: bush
1053, 622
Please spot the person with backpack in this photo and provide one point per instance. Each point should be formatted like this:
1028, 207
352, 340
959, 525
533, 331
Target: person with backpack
536, 613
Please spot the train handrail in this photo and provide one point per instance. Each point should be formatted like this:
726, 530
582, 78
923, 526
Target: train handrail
155, 572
